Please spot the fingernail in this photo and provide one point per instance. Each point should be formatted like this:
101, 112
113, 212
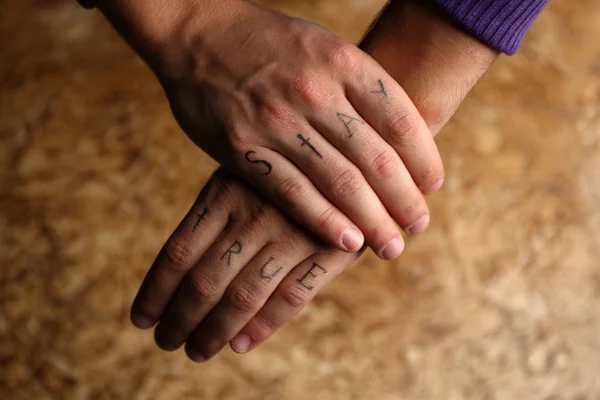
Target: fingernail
352, 239
241, 343
393, 249
419, 226
434, 187
141, 321
195, 356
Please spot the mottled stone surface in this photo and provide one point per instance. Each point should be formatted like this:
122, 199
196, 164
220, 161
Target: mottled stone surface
498, 300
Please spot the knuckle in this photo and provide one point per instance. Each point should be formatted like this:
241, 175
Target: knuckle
266, 323
342, 55
144, 309
162, 340
274, 114
291, 189
259, 211
294, 297
239, 140
326, 218
385, 165
347, 184
310, 90
203, 290
242, 299
414, 210
432, 174
179, 255
403, 128
221, 190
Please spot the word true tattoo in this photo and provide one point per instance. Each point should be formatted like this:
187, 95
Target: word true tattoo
264, 162
200, 218
264, 275
309, 144
235, 248
382, 91
347, 120
311, 273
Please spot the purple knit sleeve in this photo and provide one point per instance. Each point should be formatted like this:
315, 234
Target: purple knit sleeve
500, 24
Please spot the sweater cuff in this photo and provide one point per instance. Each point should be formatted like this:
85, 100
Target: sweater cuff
500, 24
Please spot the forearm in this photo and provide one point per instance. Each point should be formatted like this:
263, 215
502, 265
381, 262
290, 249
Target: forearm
435, 62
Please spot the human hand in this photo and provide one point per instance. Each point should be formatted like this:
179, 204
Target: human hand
306, 117
236, 283
234, 258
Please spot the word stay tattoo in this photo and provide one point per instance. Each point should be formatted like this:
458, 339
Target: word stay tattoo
200, 219
263, 273
309, 144
312, 274
382, 90
264, 162
235, 248
347, 120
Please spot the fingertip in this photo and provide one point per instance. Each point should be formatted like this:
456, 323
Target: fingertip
393, 249
419, 226
352, 240
241, 343
141, 321
195, 355
434, 187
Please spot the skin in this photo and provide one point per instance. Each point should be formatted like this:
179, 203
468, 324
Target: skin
237, 268
244, 82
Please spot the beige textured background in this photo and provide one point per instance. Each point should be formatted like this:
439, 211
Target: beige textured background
500, 299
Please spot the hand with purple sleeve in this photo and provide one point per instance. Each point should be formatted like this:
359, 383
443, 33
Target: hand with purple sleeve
237, 268
501, 24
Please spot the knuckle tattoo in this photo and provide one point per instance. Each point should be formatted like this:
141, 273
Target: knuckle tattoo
307, 280
382, 90
347, 120
199, 218
267, 272
250, 157
306, 141
235, 249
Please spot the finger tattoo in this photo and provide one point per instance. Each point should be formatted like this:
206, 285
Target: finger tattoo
310, 273
264, 162
200, 218
235, 248
382, 90
263, 273
309, 144
347, 120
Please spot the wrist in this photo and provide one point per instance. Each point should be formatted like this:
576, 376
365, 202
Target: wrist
161, 31
411, 36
